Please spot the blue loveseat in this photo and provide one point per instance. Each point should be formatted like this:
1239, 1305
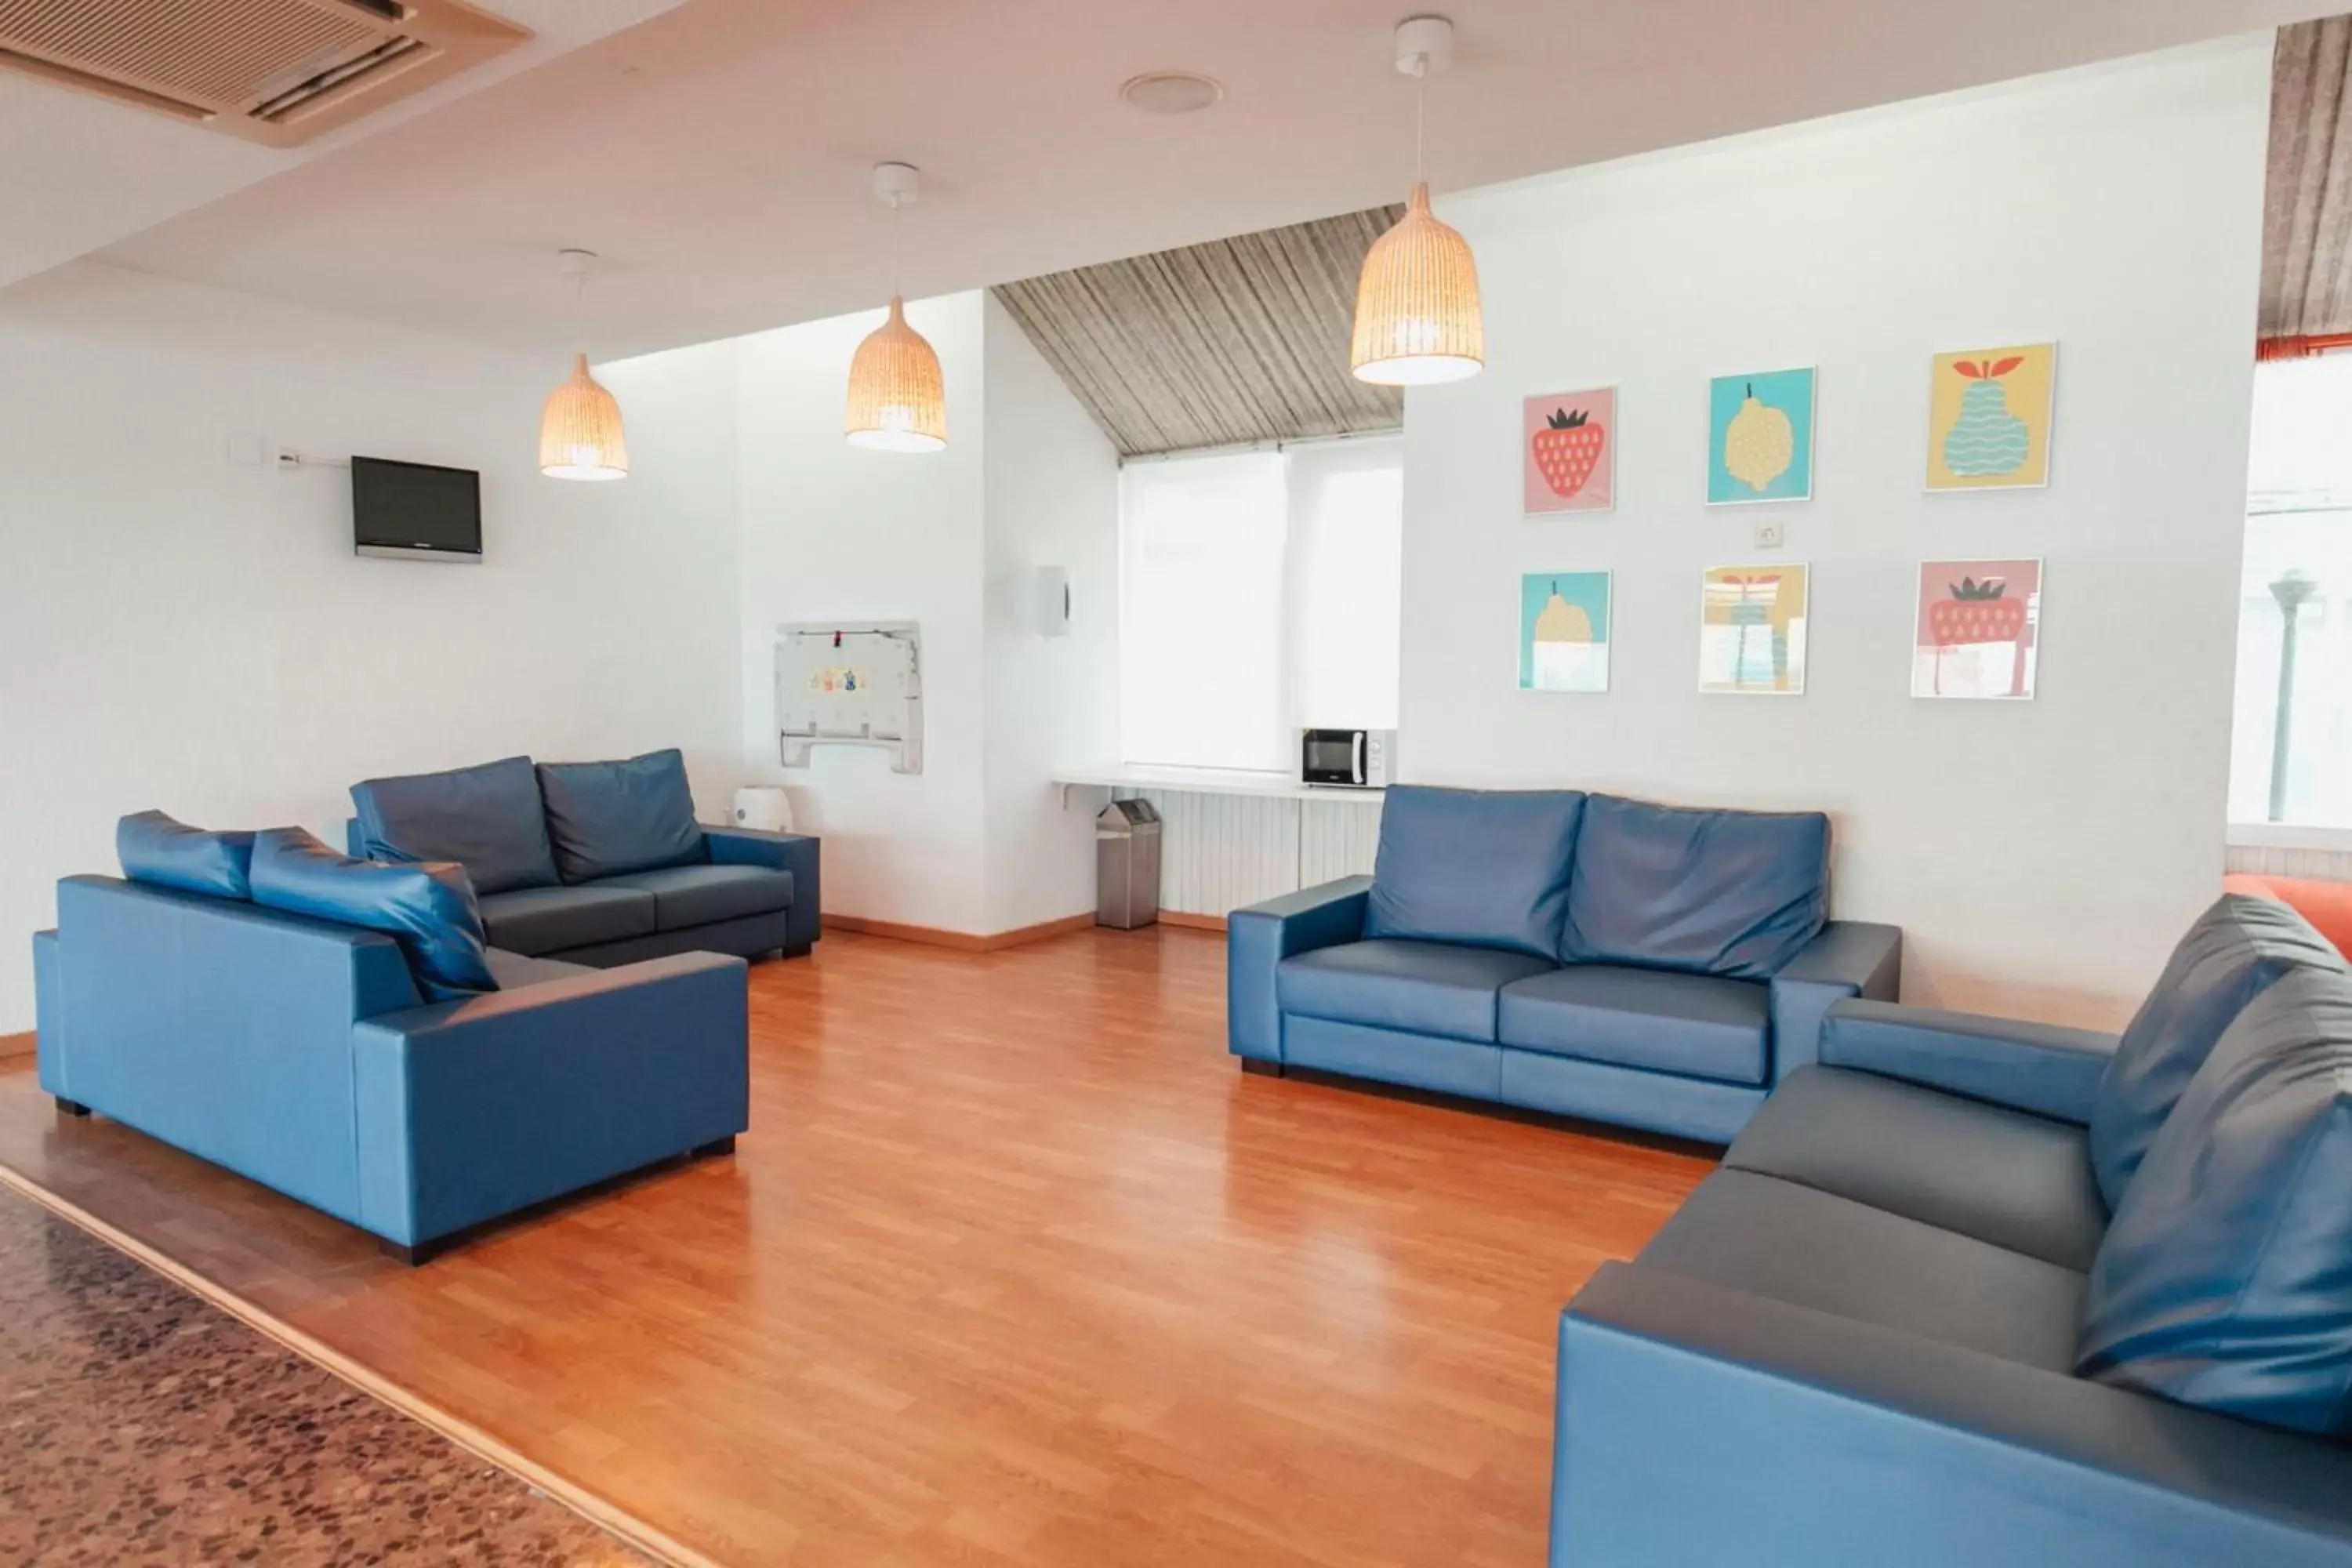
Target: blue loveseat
1587, 955
311, 1055
1978, 1292
597, 863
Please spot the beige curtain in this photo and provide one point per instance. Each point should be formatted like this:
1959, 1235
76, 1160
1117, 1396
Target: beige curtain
2306, 298
1241, 340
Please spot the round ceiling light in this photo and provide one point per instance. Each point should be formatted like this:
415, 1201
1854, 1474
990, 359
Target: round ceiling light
1170, 92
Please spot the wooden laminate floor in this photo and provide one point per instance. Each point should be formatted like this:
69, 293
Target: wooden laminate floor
1013, 1268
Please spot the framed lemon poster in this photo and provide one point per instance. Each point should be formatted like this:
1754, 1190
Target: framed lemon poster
1988, 415
1759, 441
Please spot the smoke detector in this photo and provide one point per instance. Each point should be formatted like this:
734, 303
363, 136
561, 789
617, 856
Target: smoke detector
1170, 92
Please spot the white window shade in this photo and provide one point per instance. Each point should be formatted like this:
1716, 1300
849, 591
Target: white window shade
1347, 546
2299, 542
1202, 607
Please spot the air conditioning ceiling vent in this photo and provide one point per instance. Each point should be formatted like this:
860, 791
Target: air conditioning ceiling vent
273, 71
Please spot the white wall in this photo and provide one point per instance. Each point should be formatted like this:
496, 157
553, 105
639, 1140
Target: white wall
2041, 858
184, 631
1051, 500
831, 531
978, 842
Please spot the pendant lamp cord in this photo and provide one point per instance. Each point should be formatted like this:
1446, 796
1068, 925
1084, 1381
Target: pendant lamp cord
1419, 114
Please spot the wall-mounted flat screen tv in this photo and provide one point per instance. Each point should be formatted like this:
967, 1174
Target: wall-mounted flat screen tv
416, 511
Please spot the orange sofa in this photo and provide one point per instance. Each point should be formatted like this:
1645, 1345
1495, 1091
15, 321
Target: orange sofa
2327, 905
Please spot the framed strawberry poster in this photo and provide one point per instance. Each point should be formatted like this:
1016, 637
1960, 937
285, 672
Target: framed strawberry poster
1567, 450
1979, 629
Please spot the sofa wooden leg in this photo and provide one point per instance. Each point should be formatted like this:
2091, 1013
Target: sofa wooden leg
415, 1256
716, 1146
1260, 1065
72, 1107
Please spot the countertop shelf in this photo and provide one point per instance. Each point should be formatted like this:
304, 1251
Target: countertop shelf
1208, 781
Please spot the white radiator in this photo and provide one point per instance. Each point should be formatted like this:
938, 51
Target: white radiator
1219, 852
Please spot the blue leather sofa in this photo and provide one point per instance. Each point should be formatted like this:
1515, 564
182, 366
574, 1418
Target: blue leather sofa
1976, 1292
597, 863
306, 1055
1585, 955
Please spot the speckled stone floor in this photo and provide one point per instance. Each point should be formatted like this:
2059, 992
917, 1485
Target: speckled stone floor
140, 1425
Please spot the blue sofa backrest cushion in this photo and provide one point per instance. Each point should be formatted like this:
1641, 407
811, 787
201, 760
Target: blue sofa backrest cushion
1477, 867
1735, 893
485, 818
155, 848
610, 818
2225, 1279
2233, 953
426, 906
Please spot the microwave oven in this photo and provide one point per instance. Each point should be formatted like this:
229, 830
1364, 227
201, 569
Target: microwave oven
1348, 759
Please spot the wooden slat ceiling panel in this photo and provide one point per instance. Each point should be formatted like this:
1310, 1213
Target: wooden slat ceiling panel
1244, 340
2307, 198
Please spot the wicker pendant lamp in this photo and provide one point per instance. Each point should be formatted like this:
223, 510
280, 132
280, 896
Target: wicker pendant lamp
580, 429
1417, 316
897, 398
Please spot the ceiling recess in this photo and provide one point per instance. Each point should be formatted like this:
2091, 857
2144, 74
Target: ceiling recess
273, 71
1170, 92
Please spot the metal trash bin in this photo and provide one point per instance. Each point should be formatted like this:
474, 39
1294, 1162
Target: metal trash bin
1127, 865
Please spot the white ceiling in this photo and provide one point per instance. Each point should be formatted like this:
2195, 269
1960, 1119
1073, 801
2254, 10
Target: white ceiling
80, 172
716, 154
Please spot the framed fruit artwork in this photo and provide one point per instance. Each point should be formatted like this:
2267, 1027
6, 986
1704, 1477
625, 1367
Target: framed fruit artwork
1564, 631
1568, 451
1751, 633
1978, 632
1760, 437
1989, 417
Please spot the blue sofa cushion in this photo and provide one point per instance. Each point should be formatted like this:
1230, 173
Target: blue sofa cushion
1797, 1245
485, 818
427, 906
1735, 893
688, 896
535, 920
611, 818
2226, 1279
155, 848
1420, 987
2000, 1175
1695, 1025
1475, 868
2233, 952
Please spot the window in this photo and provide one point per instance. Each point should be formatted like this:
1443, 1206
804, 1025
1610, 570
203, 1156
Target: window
2299, 551
1258, 594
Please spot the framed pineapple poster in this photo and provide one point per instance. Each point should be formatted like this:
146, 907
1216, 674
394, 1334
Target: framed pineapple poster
1564, 631
1989, 417
1568, 451
1978, 632
1751, 635
1759, 440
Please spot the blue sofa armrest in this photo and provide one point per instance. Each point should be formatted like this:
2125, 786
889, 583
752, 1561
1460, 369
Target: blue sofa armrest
1259, 938
2041, 1068
467, 1111
794, 852
1849, 958
1698, 1424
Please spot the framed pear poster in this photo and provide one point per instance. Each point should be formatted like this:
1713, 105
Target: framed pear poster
1760, 437
1989, 417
